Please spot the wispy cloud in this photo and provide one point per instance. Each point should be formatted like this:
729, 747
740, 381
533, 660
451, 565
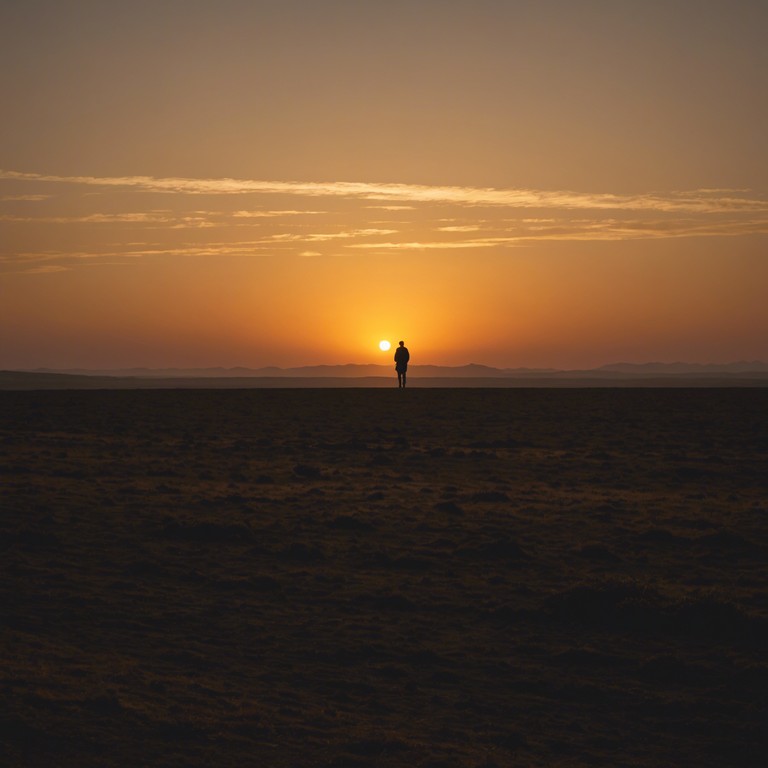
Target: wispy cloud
486, 242
637, 229
432, 218
97, 218
195, 219
272, 214
695, 201
23, 198
242, 248
320, 237
579, 230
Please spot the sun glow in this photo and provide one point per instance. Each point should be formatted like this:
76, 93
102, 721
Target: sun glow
384, 345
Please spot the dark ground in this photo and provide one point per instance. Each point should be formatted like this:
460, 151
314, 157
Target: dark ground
434, 578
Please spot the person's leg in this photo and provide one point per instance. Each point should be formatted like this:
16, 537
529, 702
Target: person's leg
404, 379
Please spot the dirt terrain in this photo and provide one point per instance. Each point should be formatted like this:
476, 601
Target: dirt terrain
369, 577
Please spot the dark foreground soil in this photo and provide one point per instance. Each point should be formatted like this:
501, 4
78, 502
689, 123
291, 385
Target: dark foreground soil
430, 578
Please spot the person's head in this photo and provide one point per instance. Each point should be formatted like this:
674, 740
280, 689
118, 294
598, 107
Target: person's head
402, 343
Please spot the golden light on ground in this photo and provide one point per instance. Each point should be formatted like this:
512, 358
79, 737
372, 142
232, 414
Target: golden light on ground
384, 345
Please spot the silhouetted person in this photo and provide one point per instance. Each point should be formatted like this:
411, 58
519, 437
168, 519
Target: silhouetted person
402, 356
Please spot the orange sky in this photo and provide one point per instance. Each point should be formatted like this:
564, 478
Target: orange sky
560, 184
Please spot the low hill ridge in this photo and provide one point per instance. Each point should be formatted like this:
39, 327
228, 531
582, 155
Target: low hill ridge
356, 370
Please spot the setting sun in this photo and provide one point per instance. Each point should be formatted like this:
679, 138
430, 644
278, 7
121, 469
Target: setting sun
133, 236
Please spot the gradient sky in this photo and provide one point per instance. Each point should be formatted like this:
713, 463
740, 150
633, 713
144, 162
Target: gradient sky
559, 183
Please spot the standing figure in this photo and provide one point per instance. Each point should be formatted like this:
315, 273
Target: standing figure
402, 356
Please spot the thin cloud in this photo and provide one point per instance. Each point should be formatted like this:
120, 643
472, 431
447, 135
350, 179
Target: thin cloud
611, 229
96, 218
148, 218
24, 198
464, 218
272, 214
211, 249
696, 201
441, 245
320, 237
390, 207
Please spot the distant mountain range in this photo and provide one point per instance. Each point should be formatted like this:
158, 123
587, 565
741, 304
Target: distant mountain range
686, 368
744, 374
472, 370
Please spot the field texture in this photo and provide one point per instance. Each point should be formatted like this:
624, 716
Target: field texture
355, 577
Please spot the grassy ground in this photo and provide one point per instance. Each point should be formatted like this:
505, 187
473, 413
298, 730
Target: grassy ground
384, 578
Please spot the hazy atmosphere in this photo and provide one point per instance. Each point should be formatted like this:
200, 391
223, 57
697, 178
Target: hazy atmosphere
383, 383
560, 184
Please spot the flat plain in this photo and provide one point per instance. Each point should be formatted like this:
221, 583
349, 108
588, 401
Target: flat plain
370, 577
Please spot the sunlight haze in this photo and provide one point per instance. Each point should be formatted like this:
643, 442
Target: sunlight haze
543, 184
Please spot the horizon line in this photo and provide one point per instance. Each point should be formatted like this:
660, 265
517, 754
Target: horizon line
757, 363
